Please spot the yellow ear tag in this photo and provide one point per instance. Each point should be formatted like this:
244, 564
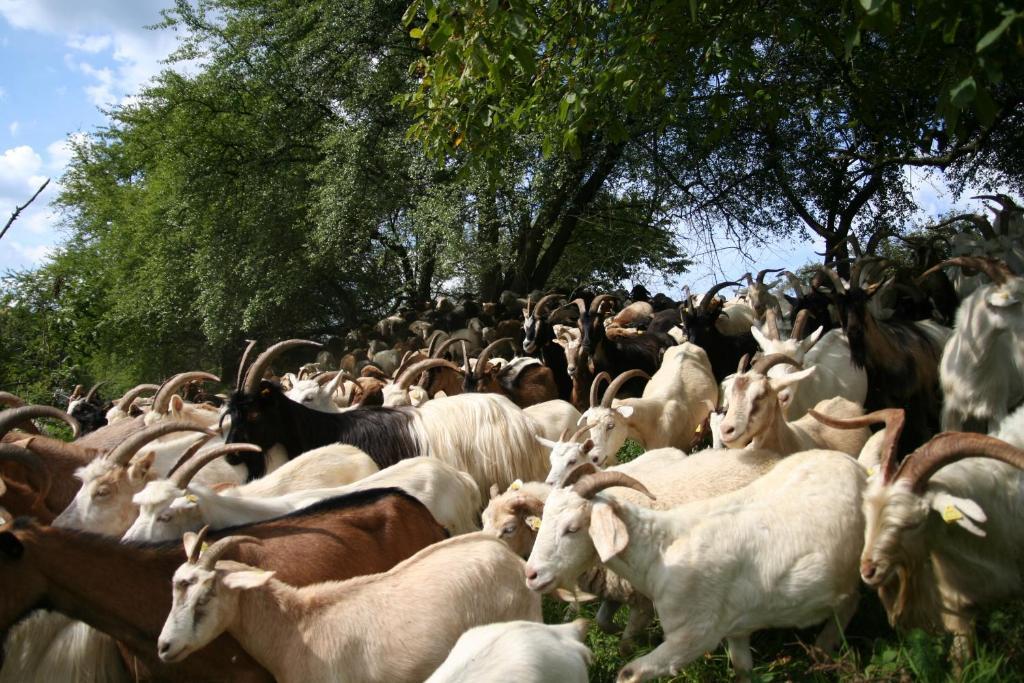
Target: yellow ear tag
192, 498
203, 548
700, 428
533, 522
516, 485
950, 514
872, 471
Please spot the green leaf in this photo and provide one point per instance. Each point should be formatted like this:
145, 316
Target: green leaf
693, 10
963, 92
872, 6
993, 35
416, 33
410, 12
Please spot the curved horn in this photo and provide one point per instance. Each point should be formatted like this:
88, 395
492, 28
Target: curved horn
162, 400
416, 369
538, 310
949, 447
31, 462
799, 324
14, 416
485, 355
262, 362
465, 358
443, 346
837, 283
591, 484
578, 433
13, 401
123, 452
190, 468
208, 558
710, 294
126, 401
765, 363
744, 363
996, 269
795, 283
251, 344
576, 473
595, 304
893, 419
92, 390
613, 388
432, 341
762, 273
771, 324
197, 547
189, 452
595, 385
582, 305
325, 377
408, 358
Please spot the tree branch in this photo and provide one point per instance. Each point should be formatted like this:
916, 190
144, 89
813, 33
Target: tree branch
17, 210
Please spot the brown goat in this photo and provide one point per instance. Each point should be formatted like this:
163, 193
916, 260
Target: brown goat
524, 381
123, 589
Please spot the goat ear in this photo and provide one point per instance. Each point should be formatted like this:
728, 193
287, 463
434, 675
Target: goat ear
177, 405
961, 511
546, 443
588, 445
811, 339
189, 540
495, 491
1000, 298
247, 580
780, 383
607, 531
138, 468
759, 337
441, 394
625, 411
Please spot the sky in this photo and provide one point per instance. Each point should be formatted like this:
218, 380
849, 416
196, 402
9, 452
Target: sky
62, 62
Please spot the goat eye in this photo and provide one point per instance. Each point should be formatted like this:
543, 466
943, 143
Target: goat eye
101, 492
610, 426
572, 461
571, 529
508, 529
163, 517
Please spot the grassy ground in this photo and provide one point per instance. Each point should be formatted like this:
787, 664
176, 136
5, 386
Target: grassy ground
872, 651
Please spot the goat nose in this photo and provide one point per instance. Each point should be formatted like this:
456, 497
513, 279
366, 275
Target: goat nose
163, 647
728, 430
531, 573
867, 570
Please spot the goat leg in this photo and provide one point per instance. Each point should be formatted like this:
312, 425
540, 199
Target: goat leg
606, 616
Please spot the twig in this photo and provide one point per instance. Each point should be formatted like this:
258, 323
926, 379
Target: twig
17, 210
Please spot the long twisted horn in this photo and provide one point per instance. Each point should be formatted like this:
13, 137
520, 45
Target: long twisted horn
14, 416
591, 484
92, 390
949, 447
613, 388
262, 362
250, 345
595, 304
710, 294
837, 283
762, 273
485, 355
765, 363
595, 386
126, 401
771, 324
162, 400
795, 283
191, 467
893, 419
414, 370
538, 310
208, 559
123, 452
799, 324
996, 269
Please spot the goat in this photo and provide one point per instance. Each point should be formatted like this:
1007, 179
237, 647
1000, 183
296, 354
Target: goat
699, 326
318, 392
319, 633
88, 410
1011, 429
762, 300
674, 403
813, 298
834, 372
485, 435
529, 653
336, 539
168, 405
942, 538
165, 512
525, 380
123, 407
987, 336
778, 552
755, 416
901, 358
26, 494
552, 418
538, 338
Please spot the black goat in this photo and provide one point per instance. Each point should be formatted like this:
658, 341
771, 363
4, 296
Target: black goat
814, 300
619, 354
90, 410
539, 340
698, 324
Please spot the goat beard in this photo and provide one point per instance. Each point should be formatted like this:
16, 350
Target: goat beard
911, 599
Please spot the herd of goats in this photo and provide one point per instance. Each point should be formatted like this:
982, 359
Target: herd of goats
325, 525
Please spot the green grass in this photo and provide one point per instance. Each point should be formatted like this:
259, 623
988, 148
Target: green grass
872, 651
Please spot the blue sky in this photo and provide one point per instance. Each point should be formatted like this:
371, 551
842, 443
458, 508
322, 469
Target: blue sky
62, 61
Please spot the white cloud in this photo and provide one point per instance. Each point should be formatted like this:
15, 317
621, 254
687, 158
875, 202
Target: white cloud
29, 254
59, 152
18, 166
13, 126
90, 43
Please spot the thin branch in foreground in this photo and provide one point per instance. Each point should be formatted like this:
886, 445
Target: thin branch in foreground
18, 209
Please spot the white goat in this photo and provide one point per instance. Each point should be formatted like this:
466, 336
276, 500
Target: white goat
674, 403
942, 536
982, 366
346, 630
829, 355
552, 418
755, 418
450, 495
318, 392
1011, 429
518, 652
780, 552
